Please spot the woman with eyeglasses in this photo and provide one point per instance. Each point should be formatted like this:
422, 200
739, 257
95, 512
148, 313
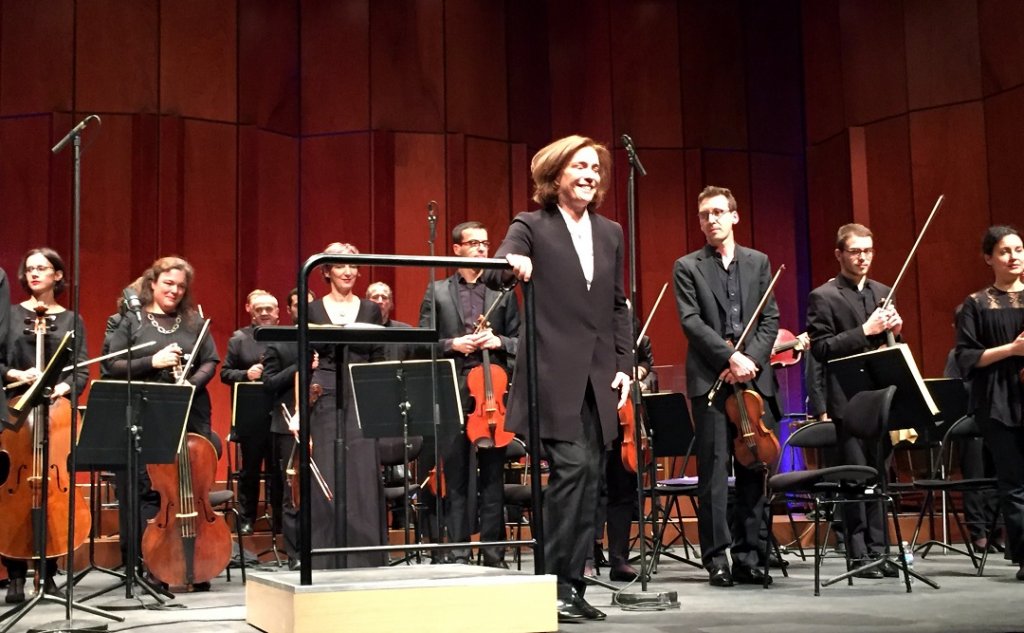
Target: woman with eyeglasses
42, 276
990, 353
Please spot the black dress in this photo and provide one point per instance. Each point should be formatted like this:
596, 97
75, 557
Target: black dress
364, 493
21, 354
989, 318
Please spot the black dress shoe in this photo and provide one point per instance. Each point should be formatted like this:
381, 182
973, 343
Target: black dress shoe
50, 589
888, 568
587, 609
245, 528
720, 577
872, 572
744, 575
15, 591
1020, 573
777, 562
498, 564
568, 611
599, 559
623, 573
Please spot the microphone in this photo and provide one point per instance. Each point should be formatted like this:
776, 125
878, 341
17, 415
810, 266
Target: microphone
75, 131
634, 160
432, 219
131, 300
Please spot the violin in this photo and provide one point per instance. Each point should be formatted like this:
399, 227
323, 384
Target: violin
487, 383
21, 496
627, 452
187, 542
788, 349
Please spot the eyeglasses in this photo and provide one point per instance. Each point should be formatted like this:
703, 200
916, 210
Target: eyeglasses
857, 252
38, 269
476, 243
379, 297
712, 213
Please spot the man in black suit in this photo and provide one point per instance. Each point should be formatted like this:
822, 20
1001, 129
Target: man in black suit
380, 293
574, 259
843, 318
717, 290
460, 301
244, 363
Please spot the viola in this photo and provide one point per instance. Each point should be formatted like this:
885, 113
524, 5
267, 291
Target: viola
187, 542
627, 452
487, 383
788, 349
755, 445
21, 496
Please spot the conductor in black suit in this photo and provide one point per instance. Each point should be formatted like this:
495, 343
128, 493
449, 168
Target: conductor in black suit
574, 259
843, 318
717, 290
461, 300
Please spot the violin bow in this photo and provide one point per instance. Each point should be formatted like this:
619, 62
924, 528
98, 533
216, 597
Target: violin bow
650, 316
750, 324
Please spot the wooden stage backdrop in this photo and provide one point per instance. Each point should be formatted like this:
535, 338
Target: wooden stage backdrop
247, 134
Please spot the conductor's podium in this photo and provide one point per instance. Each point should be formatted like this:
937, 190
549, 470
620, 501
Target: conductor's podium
425, 598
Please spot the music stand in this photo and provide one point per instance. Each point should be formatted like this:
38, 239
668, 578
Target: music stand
395, 399
912, 407
38, 396
161, 409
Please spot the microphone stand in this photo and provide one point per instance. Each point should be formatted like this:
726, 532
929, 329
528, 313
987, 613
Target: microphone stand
435, 397
75, 137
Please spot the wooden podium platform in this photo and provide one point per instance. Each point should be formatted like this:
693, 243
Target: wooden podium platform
425, 598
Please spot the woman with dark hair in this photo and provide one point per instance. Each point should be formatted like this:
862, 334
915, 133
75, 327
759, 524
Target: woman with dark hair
41, 274
990, 353
364, 494
169, 319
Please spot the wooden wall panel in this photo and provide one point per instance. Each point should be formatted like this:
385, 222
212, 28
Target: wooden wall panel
1001, 34
874, 79
1004, 141
335, 65
419, 177
823, 71
829, 204
580, 70
24, 192
487, 184
36, 53
198, 59
773, 78
943, 52
529, 88
268, 65
335, 190
714, 94
644, 31
948, 154
117, 56
146, 195
407, 66
171, 209
475, 69
730, 170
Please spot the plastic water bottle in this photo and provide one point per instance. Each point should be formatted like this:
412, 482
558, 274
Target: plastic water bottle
908, 556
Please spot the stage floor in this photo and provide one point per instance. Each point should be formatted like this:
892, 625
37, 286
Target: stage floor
964, 603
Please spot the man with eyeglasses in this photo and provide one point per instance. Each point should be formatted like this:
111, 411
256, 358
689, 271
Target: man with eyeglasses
244, 363
843, 318
460, 301
717, 290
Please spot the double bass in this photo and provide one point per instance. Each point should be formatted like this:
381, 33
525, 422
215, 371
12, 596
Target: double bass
21, 496
187, 543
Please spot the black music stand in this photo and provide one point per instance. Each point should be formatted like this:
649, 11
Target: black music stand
912, 407
250, 417
38, 396
162, 410
395, 399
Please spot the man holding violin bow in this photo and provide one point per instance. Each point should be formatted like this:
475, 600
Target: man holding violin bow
473, 341
718, 290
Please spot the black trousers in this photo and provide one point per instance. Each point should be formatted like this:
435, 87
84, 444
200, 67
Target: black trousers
1007, 446
718, 528
257, 450
571, 498
282, 444
461, 464
979, 507
616, 506
865, 522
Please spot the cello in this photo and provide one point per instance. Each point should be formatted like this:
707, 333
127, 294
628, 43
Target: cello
21, 495
187, 542
488, 383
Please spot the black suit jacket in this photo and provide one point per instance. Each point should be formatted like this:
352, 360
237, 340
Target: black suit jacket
701, 303
504, 320
834, 324
5, 315
582, 335
244, 351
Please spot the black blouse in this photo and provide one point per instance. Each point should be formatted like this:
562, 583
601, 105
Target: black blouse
989, 318
21, 343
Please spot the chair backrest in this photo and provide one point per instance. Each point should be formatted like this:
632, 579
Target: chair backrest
817, 434
391, 451
866, 415
966, 428
671, 429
